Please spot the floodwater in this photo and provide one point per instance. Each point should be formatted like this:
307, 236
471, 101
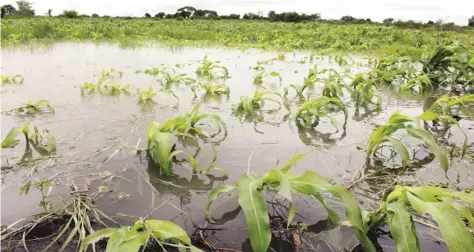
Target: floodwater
93, 129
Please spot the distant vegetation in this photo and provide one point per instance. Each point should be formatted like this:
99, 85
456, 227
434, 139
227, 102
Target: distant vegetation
189, 12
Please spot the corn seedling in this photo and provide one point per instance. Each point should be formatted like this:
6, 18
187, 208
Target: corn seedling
281, 56
114, 89
111, 73
42, 141
146, 96
308, 82
189, 123
449, 209
211, 89
15, 79
283, 182
167, 80
334, 86
383, 134
250, 106
193, 164
450, 110
419, 84
211, 70
160, 147
31, 108
136, 237
310, 113
258, 79
364, 91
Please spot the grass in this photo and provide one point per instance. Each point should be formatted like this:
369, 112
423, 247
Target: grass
351, 38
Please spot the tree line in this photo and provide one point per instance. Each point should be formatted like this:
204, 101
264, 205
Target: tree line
24, 9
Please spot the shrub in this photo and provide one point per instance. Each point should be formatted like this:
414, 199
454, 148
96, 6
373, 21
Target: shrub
69, 14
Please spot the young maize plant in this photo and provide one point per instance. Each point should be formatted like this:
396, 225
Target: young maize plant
146, 96
308, 82
364, 91
445, 206
309, 114
168, 80
211, 89
15, 79
334, 85
31, 108
211, 70
42, 141
258, 79
254, 106
397, 121
450, 110
284, 183
136, 237
189, 123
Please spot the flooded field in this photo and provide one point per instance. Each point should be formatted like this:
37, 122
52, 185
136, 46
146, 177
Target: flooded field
98, 135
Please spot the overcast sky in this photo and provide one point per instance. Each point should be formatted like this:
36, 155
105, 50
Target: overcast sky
457, 11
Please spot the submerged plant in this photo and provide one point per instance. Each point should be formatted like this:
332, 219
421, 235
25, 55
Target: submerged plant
189, 123
31, 108
445, 206
15, 79
136, 237
167, 80
146, 96
397, 121
364, 91
308, 82
334, 86
310, 113
258, 79
283, 182
211, 70
250, 106
211, 89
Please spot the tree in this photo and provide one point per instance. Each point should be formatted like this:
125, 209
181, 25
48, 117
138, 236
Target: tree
347, 18
147, 15
471, 21
25, 8
49, 12
70, 14
95, 15
160, 15
388, 21
185, 12
2, 13
271, 15
9, 9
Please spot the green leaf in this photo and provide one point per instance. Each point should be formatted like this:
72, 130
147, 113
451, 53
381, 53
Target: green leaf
10, 140
116, 239
431, 144
311, 183
402, 227
256, 213
292, 162
429, 116
291, 214
455, 233
164, 230
218, 190
285, 188
97, 236
134, 243
400, 149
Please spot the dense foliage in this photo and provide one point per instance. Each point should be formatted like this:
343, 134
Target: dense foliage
261, 34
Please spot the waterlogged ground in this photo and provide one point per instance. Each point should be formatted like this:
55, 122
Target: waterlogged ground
97, 138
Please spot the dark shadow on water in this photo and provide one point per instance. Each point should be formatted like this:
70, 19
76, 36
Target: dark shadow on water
181, 186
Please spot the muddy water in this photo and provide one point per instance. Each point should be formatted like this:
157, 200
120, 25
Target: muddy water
92, 129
